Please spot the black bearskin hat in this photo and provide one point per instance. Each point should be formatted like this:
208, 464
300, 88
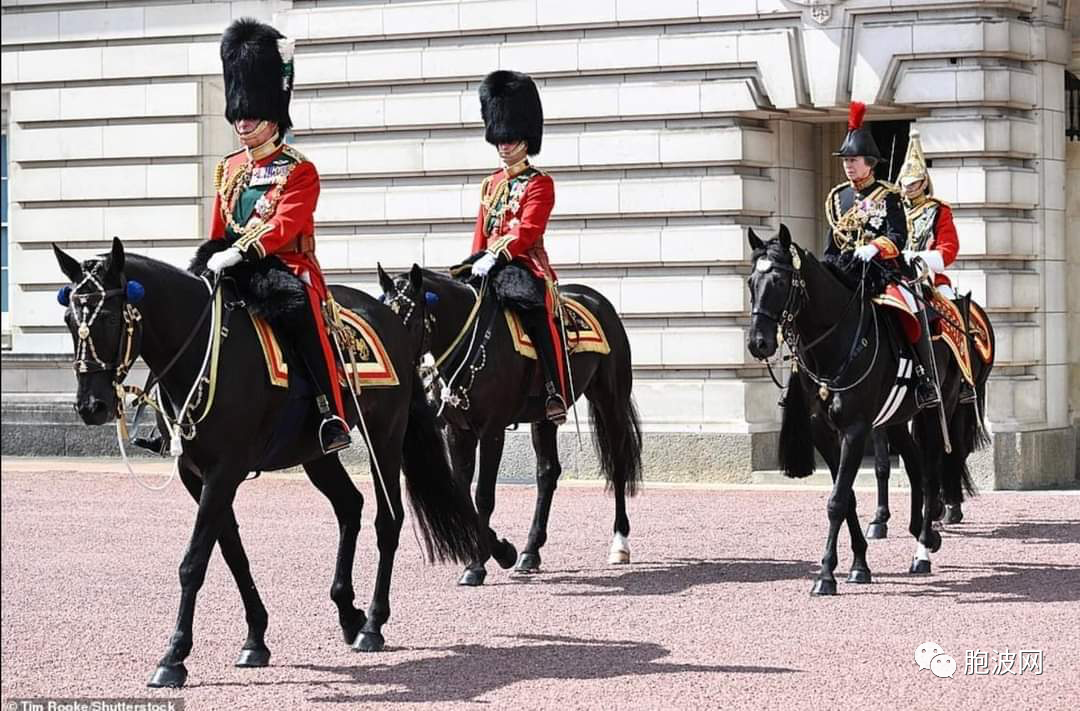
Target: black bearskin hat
510, 106
258, 73
858, 141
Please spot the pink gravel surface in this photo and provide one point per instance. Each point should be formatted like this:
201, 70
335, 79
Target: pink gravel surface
714, 612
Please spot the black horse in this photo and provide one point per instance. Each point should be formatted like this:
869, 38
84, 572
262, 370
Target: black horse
243, 426
851, 375
951, 502
500, 388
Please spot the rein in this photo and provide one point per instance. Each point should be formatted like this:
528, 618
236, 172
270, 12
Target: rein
797, 298
428, 366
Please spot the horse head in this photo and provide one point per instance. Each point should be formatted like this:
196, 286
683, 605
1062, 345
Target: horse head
105, 328
774, 290
405, 296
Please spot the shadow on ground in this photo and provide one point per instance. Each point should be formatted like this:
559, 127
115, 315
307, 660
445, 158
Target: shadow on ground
469, 671
677, 576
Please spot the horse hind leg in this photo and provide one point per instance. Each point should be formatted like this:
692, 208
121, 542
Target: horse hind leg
330, 478
548, 469
254, 652
878, 528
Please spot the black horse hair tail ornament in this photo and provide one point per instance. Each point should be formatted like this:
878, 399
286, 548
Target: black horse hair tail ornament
796, 448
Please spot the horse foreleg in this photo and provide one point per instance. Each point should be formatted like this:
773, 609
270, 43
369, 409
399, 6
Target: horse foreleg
387, 534
215, 506
462, 444
330, 478
548, 469
841, 507
504, 553
254, 653
879, 527
827, 445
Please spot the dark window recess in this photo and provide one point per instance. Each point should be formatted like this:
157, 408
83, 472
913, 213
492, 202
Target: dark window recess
1072, 107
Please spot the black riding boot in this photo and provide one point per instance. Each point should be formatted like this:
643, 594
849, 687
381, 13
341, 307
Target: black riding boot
333, 433
535, 322
925, 392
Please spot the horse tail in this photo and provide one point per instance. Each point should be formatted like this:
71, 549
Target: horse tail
446, 517
616, 427
796, 449
956, 478
981, 434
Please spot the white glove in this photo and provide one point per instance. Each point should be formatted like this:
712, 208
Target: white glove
482, 266
223, 259
930, 257
867, 252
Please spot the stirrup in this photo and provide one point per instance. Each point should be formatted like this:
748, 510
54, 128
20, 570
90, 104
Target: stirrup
925, 396
337, 444
555, 409
967, 394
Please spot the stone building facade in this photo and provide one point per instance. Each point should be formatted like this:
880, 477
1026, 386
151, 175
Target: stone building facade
671, 127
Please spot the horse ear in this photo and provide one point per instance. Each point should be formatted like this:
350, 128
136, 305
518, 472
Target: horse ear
116, 257
385, 281
785, 237
754, 240
416, 278
68, 265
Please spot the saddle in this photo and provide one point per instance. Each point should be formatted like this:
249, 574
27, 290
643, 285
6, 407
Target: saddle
946, 319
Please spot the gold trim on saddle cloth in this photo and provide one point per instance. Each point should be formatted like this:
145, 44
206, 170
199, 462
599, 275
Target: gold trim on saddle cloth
590, 339
375, 369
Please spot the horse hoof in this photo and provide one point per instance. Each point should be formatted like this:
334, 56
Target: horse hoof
528, 563
473, 578
877, 531
369, 642
505, 554
168, 676
859, 575
823, 587
258, 657
619, 553
953, 514
920, 566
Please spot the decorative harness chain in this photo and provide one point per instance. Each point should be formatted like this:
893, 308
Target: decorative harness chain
87, 359
797, 298
428, 367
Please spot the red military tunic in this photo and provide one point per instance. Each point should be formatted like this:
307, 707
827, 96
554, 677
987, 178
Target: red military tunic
267, 207
931, 227
514, 212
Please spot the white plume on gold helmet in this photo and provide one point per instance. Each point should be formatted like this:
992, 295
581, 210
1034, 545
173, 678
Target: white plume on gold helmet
914, 167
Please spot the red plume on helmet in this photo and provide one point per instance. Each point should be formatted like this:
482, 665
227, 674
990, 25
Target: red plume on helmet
858, 141
856, 112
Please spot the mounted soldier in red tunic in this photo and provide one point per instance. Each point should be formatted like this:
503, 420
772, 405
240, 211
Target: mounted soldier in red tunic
262, 231
515, 204
867, 222
932, 237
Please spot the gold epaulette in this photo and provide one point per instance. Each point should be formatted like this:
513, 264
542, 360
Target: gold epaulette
294, 154
484, 187
891, 187
219, 169
829, 201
